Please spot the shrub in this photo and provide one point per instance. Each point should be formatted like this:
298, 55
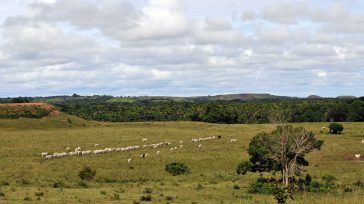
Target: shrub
58, 184
82, 184
39, 193
116, 196
177, 168
24, 181
358, 183
87, 173
5, 183
261, 185
103, 192
244, 167
146, 198
281, 195
27, 198
199, 186
336, 128
2, 194
170, 198
348, 189
148, 190
236, 187
308, 180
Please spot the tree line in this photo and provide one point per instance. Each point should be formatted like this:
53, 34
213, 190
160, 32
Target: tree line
228, 112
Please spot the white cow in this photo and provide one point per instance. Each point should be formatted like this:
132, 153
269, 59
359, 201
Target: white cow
129, 160
357, 156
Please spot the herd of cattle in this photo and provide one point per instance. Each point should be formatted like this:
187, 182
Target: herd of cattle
78, 151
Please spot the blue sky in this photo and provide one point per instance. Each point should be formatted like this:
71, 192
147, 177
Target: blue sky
181, 48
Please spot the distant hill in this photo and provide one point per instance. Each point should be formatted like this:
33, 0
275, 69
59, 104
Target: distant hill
243, 97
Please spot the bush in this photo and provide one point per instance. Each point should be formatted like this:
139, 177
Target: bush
2, 194
58, 184
39, 193
348, 189
336, 128
170, 198
148, 190
358, 183
146, 198
177, 168
87, 173
103, 192
244, 167
5, 183
261, 185
82, 184
281, 195
236, 187
27, 198
116, 196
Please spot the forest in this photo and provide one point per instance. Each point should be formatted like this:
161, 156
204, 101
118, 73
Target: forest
253, 110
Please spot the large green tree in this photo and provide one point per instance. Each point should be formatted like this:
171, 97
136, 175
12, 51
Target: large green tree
269, 152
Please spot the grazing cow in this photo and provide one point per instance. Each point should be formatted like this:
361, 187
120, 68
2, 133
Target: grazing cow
158, 152
96, 145
180, 146
44, 154
129, 160
144, 139
362, 141
233, 140
68, 149
194, 140
357, 156
200, 145
49, 156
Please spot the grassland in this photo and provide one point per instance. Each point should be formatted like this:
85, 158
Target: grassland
23, 172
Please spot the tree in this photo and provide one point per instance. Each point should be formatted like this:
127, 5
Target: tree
20, 100
336, 128
268, 152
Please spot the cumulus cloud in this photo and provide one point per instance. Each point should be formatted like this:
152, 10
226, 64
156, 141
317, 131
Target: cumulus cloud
173, 47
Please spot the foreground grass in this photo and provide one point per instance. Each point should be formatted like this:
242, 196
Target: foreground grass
23, 172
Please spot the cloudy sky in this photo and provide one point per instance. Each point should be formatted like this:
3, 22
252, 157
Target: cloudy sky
181, 48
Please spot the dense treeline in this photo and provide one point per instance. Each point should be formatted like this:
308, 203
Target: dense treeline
236, 111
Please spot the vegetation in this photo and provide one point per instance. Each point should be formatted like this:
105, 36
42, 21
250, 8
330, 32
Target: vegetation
14, 112
336, 128
228, 109
213, 166
271, 152
177, 168
87, 173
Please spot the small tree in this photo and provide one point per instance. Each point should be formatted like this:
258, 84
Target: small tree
87, 173
336, 128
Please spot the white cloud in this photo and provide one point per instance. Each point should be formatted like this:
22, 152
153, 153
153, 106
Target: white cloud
185, 47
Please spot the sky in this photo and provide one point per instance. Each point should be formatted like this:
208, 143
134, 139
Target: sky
181, 47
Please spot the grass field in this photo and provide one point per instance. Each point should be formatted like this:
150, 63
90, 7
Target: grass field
23, 172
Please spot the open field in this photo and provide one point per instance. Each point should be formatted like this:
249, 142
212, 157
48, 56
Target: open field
23, 172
